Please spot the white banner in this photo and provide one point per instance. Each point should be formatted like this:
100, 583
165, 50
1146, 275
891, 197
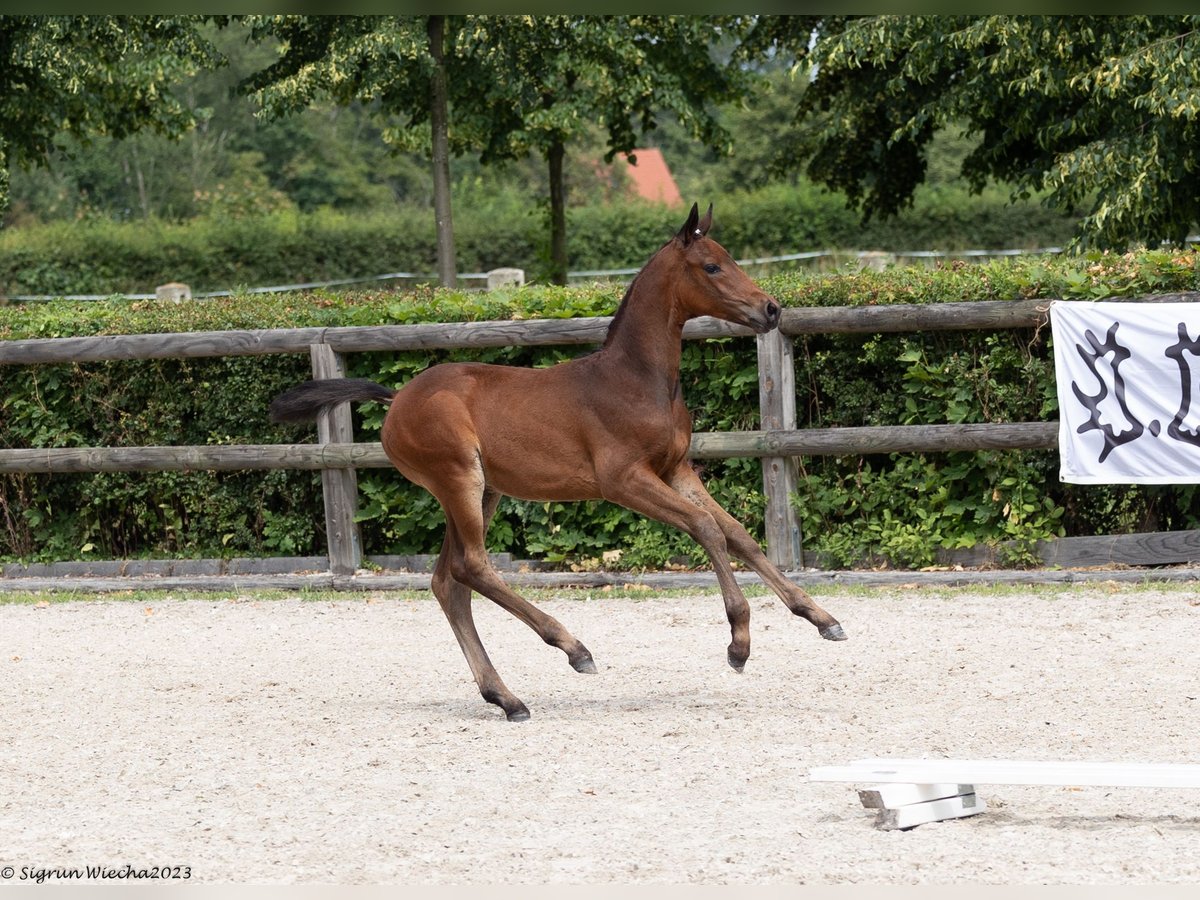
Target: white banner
1129, 408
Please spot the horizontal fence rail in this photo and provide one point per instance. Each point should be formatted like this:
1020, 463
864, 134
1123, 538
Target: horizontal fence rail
776, 445
370, 455
854, 441
350, 339
215, 458
964, 316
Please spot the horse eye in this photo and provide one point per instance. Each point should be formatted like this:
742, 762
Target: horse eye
712, 268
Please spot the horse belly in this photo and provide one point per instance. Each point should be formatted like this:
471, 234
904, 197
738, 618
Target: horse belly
540, 468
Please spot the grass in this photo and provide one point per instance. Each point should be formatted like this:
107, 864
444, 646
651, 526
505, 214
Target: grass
621, 592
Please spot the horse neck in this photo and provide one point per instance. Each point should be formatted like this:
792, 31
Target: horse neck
647, 331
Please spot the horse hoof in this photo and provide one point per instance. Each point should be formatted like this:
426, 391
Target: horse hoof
737, 663
584, 664
518, 715
833, 633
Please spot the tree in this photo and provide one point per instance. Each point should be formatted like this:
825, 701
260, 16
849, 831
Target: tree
83, 76
1098, 112
556, 76
397, 65
504, 86
439, 137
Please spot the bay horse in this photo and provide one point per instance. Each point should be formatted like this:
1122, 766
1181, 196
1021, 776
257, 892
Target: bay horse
611, 425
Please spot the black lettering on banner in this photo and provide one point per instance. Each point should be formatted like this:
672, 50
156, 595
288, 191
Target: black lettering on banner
1091, 402
1187, 378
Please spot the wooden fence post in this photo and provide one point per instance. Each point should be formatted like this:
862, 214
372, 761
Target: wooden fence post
777, 409
339, 486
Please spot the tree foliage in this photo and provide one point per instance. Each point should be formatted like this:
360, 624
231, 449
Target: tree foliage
232, 164
515, 84
550, 78
1098, 112
621, 72
396, 65
83, 76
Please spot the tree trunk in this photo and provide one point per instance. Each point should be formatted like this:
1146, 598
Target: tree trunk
143, 198
439, 120
558, 214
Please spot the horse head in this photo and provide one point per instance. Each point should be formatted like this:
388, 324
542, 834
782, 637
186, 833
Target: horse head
710, 283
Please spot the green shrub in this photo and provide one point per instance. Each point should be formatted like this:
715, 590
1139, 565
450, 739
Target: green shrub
905, 507
96, 256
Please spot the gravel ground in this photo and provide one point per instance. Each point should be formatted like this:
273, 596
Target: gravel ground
342, 741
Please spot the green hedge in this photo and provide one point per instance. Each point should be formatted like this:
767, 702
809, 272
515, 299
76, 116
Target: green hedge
901, 506
99, 257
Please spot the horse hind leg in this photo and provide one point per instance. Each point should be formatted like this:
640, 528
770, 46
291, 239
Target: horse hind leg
455, 599
478, 572
464, 566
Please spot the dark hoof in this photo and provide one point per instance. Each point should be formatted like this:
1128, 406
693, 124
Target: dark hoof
737, 663
518, 715
584, 664
833, 633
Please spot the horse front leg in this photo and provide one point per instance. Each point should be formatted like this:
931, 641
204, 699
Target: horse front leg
642, 491
742, 545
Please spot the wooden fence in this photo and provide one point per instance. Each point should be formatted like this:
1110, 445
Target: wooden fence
777, 443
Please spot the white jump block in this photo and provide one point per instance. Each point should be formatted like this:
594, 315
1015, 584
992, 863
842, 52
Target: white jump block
891, 796
911, 792
969, 804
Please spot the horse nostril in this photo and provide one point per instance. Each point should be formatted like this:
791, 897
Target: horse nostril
772, 310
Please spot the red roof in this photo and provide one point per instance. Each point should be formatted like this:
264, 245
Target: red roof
651, 178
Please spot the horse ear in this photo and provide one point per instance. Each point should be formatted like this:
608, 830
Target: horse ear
706, 222
690, 230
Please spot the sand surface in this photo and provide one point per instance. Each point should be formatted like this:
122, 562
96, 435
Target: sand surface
342, 741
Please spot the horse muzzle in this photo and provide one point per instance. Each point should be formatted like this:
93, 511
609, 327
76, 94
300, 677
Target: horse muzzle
766, 318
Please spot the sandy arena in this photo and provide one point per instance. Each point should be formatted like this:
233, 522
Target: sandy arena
343, 741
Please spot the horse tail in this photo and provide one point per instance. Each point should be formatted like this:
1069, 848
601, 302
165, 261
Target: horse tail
303, 402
